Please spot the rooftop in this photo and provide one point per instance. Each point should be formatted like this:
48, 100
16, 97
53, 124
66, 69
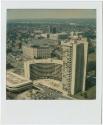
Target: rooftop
42, 42
14, 80
49, 60
74, 40
41, 46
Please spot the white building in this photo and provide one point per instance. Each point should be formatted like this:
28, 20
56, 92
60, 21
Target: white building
32, 52
17, 83
74, 65
58, 36
45, 71
71, 70
43, 68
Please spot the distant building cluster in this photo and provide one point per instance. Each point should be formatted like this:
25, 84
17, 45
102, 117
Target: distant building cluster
52, 58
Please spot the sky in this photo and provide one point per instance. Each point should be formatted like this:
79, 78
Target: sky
13, 14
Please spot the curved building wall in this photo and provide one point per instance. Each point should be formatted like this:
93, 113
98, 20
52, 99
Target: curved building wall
45, 71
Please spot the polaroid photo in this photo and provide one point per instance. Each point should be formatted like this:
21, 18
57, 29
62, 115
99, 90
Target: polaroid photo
51, 58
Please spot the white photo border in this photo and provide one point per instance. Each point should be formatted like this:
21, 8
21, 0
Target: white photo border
55, 111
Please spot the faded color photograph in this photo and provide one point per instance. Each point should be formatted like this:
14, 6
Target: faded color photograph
51, 54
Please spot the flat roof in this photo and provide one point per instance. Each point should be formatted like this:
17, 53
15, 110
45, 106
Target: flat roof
40, 42
61, 33
41, 46
51, 83
49, 60
14, 80
74, 41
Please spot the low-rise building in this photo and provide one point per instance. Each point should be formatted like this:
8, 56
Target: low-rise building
37, 51
17, 83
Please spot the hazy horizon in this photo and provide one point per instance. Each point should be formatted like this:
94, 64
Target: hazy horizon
37, 14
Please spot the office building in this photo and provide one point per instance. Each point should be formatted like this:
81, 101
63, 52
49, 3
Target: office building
37, 52
58, 36
47, 72
74, 65
71, 70
43, 69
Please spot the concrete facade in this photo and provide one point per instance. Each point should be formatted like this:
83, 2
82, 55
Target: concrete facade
47, 66
77, 60
36, 52
71, 70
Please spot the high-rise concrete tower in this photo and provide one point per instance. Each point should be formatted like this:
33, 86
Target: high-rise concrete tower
74, 65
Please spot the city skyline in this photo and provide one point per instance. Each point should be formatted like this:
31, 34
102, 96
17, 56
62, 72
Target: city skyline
51, 54
13, 14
